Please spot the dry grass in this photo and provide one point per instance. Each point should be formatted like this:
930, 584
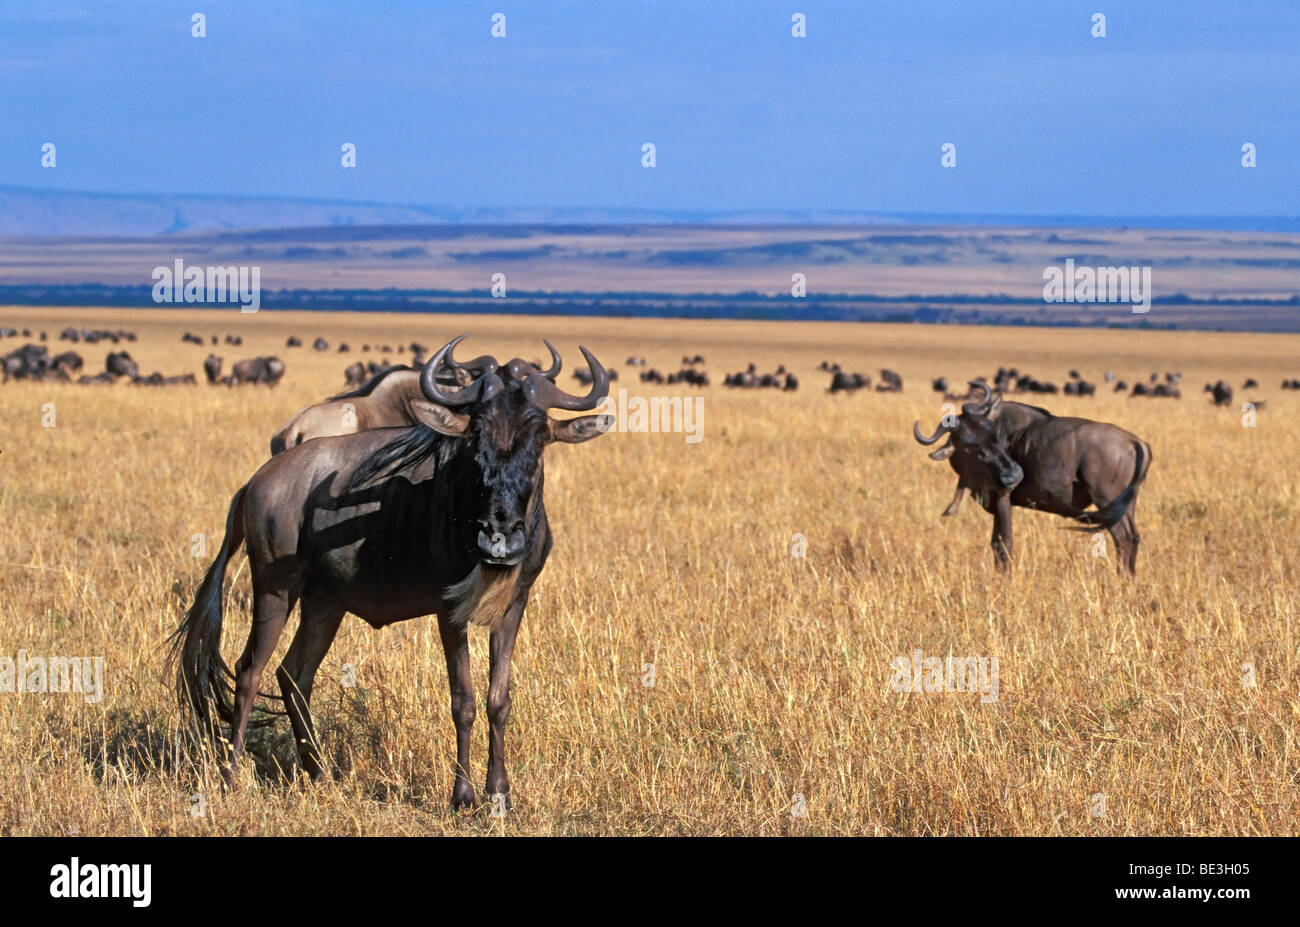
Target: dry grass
772, 672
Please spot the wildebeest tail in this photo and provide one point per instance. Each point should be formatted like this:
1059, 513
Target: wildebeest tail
202, 677
1111, 515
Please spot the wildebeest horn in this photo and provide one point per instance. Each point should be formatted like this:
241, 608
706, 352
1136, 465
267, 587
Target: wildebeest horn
545, 394
555, 361
484, 387
938, 433
982, 407
520, 369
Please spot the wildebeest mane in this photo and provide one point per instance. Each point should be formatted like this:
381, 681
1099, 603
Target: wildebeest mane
409, 449
365, 389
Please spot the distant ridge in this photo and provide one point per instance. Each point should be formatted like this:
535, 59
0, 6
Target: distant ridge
28, 212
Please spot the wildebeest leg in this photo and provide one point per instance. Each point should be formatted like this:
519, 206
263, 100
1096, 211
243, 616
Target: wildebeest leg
270, 610
1125, 535
502, 647
955, 504
455, 646
1002, 531
317, 626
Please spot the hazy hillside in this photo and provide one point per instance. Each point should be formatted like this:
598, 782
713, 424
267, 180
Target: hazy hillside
37, 212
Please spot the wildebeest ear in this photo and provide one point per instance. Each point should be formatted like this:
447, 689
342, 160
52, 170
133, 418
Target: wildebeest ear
577, 430
943, 453
439, 418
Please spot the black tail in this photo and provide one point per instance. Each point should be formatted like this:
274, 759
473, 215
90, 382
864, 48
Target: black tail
1111, 515
202, 677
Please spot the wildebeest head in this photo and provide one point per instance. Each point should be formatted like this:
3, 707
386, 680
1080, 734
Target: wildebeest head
500, 416
977, 453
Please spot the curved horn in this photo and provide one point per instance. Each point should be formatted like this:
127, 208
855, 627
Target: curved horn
555, 361
938, 433
542, 392
484, 387
981, 407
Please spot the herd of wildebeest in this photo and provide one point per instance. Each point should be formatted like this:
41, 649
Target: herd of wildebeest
418, 491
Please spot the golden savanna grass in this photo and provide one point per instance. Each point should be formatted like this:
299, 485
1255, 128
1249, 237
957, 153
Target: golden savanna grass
771, 672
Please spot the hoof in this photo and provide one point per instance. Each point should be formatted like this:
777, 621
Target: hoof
497, 801
462, 798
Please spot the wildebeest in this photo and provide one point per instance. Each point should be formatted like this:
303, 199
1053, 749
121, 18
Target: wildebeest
293, 341
1009, 454
791, 383
1221, 391
212, 368
120, 364
67, 363
1291, 384
320, 344
446, 519
355, 374
842, 382
890, 382
1251, 383
266, 370
939, 384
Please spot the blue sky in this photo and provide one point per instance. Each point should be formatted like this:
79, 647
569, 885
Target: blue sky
1046, 119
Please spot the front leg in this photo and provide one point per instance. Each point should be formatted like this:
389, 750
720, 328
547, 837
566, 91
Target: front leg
1002, 531
455, 647
502, 647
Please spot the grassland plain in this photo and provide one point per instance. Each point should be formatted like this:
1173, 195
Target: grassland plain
1173, 696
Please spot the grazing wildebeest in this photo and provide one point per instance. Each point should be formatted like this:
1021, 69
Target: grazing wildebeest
68, 363
389, 399
890, 382
842, 382
212, 368
1222, 393
442, 519
266, 370
1009, 454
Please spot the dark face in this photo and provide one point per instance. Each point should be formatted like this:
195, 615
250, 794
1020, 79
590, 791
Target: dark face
981, 457
506, 435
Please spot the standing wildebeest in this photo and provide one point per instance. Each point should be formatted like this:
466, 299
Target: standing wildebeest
1009, 453
266, 370
444, 519
1222, 393
355, 374
120, 364
212, 368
